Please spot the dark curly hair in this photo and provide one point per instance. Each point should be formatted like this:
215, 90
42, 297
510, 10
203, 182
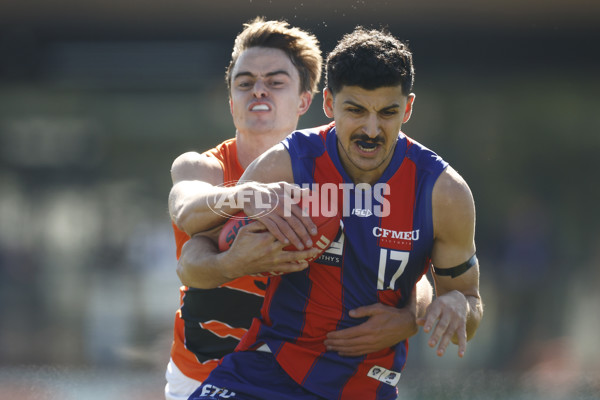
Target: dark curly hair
301, 46
369, 59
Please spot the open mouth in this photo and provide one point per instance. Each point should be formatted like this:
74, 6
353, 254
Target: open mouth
367, 146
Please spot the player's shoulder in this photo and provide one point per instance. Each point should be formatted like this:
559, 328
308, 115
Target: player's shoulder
209, 157
321, 131
422, 156
311, 135
275, 157
192, 165
308, 142
193, 159
451, 193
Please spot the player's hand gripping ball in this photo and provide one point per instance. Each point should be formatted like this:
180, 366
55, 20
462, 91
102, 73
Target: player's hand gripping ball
327, 230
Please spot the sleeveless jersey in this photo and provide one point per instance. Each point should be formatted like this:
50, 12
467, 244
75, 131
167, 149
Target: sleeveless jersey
375, 258
210, 322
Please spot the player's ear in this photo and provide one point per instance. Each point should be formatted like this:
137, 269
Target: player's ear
305, 102
409, 107
230, 106
328, 102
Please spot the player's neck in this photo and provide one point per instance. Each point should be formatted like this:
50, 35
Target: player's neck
249, 147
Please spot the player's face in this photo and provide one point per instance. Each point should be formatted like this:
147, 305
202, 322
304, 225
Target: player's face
265, 93
367, 125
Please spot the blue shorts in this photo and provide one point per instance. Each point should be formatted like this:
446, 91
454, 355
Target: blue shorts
250, 375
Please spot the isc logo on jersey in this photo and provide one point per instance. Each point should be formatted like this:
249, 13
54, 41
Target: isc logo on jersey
362, 212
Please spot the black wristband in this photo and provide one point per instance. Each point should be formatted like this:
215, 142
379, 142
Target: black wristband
458, 270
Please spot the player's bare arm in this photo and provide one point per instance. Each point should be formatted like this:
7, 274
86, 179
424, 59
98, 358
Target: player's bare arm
457, 310
423, 297
386, 325
273, 170
201, 265
253, 251
195, 178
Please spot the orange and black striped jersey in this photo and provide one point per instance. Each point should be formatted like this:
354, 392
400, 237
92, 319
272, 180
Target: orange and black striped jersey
210, 322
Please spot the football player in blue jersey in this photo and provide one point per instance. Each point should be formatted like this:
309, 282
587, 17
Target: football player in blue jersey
288, 352
273, 73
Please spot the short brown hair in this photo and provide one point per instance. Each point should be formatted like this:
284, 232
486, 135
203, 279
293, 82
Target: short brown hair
301, 46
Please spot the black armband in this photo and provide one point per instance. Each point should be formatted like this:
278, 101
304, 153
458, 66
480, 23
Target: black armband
458, 270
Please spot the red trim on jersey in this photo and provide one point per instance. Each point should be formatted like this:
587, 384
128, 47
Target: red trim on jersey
303, 359
396, 228
389, 297
359, 388
248, 341
265, 311
299, 357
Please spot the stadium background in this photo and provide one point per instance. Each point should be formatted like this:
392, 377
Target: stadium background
97, 98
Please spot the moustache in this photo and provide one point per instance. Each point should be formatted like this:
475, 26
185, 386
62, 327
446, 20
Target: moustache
366, 138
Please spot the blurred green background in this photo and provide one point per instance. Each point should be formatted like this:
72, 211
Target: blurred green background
97, 99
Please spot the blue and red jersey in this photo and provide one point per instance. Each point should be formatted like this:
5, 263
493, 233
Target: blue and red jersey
374, 259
